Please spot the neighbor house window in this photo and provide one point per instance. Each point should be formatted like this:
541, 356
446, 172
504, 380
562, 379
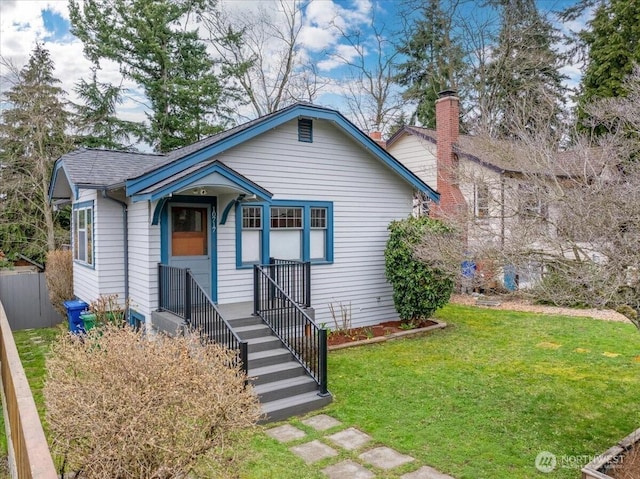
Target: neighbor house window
297, 231
532, 201
83, 233
251, 244
481, 200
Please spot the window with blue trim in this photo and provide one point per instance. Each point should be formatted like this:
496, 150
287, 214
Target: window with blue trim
251, 234
294, 231
83, 233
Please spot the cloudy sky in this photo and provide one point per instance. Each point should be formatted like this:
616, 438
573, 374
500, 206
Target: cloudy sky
25, 22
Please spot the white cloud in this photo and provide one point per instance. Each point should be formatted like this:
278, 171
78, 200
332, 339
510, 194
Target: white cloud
341, 55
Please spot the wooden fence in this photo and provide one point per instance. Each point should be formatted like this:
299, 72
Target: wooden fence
29, 455
26, 301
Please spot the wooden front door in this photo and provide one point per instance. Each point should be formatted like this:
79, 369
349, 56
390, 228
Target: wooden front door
190, 242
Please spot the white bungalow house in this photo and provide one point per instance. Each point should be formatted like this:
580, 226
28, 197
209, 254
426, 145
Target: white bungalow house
300, 185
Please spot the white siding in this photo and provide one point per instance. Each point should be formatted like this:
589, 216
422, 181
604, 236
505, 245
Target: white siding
107, 274
144, 256
417, 154
85, 278
366, 197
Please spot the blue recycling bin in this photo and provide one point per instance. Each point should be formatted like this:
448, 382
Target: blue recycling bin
74, 308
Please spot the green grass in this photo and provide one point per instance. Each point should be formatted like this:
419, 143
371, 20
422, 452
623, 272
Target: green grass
33, 345
483, 397
478, 400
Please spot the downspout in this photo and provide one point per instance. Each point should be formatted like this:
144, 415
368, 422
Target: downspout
125, 239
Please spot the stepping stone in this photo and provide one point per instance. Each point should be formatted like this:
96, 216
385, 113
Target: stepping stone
286, 433
349, 469
313, 451
321, 422
385, 458
425, 472
350, 439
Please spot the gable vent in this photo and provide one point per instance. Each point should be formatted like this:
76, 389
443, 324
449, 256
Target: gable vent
305, 130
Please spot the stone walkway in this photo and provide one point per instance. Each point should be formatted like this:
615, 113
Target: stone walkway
351, 441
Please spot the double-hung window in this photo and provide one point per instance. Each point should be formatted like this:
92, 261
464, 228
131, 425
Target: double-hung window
251, 241
83, 233
481, 200
285, 229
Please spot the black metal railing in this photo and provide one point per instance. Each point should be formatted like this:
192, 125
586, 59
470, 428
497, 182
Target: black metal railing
293, 277
179, 293
291, 324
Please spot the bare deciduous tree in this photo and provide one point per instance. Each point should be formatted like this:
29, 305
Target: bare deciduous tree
261, 50
568, 222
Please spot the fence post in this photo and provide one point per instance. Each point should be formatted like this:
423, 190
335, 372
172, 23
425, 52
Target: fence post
322, 362
187, 295
307, 284
256, 286
244, 359
160, 281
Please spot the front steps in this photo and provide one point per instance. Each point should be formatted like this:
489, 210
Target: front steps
281, 383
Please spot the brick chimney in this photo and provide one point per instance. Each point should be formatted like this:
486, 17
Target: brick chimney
377, 137
447, 131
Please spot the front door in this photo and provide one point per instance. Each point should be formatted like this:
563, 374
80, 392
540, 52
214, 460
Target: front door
190, 242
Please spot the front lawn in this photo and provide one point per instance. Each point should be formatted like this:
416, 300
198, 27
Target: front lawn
479, 399
483, 397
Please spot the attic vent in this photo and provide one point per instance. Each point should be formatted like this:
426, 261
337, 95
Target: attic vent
305, 130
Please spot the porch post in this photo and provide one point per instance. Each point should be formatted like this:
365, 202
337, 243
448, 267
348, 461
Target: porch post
187, 295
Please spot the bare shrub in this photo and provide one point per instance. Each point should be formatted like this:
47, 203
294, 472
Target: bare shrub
59, 276
122, 406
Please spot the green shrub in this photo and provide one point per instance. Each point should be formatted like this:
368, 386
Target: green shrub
418, 288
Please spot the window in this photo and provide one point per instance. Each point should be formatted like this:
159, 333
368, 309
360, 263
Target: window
318, 234
305, 130
189, 231
83, 233
421, 205
285, 238
481, 200
251, 234
299, 231
532, 204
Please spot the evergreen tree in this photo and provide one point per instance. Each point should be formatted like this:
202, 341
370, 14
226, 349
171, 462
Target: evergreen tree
434, 61
33, 134
153, 44
612, 42
523, 81
96, 120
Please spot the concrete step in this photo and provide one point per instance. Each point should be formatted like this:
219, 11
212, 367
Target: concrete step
244, 321
293, 406
252, 331
276, 372
269, 357
262, 344
285, 388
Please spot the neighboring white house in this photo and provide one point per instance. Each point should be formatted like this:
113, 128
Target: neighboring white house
485, 183
302, 183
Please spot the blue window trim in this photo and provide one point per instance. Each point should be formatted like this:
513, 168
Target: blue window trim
84, 205
136, 318
306, 230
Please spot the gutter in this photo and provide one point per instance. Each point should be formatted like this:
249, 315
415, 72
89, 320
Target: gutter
125, 238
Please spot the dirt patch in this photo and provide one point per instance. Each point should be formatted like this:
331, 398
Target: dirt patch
369, 332
519, 304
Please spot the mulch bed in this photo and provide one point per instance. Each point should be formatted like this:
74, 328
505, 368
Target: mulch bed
368, 332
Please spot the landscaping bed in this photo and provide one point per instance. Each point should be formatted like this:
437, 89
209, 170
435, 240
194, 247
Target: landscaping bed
386, 330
